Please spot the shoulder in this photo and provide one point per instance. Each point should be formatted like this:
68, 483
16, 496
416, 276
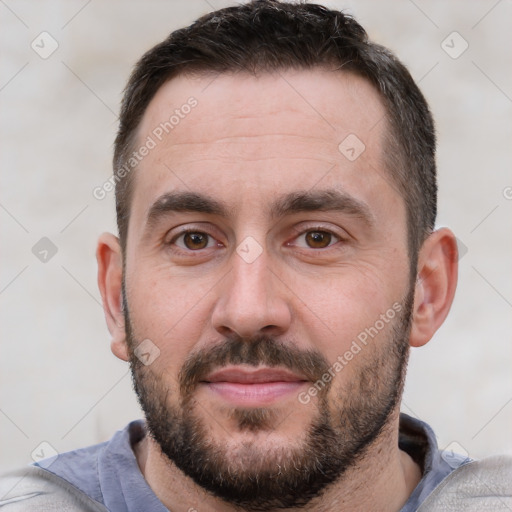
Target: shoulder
479, 485
35, 489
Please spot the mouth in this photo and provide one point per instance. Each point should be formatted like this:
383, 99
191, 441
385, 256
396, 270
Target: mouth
253, 387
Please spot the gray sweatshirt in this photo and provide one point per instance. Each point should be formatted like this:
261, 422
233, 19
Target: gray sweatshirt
106, 477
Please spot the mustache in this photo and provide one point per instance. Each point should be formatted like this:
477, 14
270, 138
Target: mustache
255, 351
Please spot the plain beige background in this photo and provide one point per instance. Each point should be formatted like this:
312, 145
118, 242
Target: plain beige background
59, 383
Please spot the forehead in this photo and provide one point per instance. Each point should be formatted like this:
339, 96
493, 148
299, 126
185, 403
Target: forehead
248, 138
333, 102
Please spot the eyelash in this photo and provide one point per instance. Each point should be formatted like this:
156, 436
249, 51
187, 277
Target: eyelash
188, 231
321, 229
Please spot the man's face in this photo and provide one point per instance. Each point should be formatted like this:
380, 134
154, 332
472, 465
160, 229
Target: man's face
262, 257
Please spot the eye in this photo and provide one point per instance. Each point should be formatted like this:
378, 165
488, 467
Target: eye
193, 240
317, 239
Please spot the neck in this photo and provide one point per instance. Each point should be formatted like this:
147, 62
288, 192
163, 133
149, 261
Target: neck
382, 480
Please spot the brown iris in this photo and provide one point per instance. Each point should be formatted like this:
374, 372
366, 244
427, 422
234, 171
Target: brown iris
318, 239
195, 240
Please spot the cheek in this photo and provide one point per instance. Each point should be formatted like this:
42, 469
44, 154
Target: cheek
348, 310
172, 313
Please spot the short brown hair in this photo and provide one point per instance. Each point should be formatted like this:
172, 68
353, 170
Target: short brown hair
269, 35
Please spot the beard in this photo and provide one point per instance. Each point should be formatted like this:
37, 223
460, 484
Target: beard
260, 476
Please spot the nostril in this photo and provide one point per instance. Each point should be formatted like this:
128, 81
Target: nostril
225, 331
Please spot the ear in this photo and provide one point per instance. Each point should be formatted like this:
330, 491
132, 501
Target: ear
435, 285
110, 279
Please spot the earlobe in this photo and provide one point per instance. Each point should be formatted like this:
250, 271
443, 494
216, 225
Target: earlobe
110, 280
435, 285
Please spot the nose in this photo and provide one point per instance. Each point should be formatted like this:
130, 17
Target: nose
252, 300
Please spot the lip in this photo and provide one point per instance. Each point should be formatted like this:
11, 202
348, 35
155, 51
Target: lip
248, 375
253, 387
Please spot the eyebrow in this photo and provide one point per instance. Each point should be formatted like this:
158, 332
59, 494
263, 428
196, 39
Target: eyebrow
294, 202
322, 201
183, 202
